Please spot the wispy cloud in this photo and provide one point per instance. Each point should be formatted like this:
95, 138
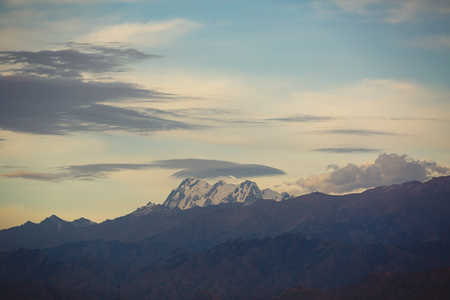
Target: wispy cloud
150, 33
200, 168
303, 119
47, 92
28, 2
42, 105
363, 132
434, 42
72, 62
393, 12
387, 169
346, 150
33, 176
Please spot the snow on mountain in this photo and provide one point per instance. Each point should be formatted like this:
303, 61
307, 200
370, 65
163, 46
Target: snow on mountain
144, 210
194, 192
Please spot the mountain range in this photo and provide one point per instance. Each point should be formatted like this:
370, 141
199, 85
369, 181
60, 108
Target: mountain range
194, 192
239, 242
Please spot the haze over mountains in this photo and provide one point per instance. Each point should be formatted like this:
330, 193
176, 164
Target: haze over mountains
238, 242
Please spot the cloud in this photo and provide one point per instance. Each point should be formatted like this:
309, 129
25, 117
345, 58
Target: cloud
363, 132
59, 106
203, 168
48, 93
72, 62
32, 176
304, 118
434, 42
28, 2
200, 168
77, 172
387, 11
346, 150
153, 33
387, 169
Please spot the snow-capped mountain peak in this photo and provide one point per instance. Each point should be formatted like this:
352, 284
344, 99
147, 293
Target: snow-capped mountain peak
194, 192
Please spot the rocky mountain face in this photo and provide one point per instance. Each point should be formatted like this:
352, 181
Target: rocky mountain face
194, 192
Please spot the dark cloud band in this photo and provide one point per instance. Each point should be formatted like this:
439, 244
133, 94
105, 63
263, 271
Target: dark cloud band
200, 168
58, 106
72, 62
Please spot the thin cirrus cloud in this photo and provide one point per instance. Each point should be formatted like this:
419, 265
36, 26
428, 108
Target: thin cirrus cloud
387, 169
200, 168
150, 33
393, 12
346, 150
46, 93
303, 119
28, 2
363, 132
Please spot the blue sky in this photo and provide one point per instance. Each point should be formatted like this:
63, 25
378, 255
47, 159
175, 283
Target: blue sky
105, 103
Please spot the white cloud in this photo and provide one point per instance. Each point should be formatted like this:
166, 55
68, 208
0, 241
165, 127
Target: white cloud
147, 34
387, 169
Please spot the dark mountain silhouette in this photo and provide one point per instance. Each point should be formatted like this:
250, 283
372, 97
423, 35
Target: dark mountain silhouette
27, 291
247, 269
132, 227
422, 285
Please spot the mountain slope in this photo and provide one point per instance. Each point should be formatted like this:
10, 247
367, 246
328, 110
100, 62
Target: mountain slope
252, 269
421, 285
394, 214
265, 267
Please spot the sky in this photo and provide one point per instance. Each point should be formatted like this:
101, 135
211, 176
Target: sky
108, 105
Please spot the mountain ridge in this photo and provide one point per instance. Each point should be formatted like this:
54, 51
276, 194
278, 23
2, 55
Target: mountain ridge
391, 214
195, 192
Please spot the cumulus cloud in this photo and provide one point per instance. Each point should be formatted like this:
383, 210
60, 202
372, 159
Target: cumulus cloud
200, 168
387, 169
